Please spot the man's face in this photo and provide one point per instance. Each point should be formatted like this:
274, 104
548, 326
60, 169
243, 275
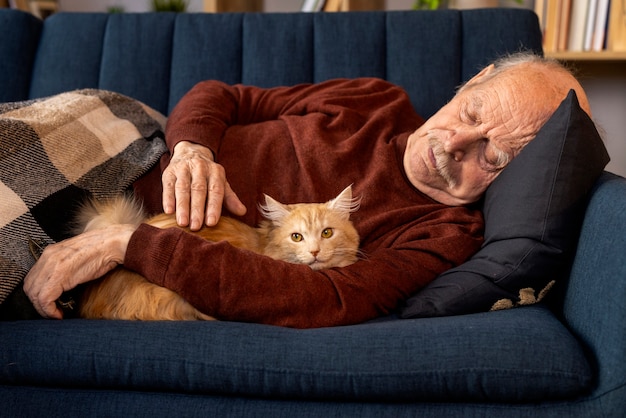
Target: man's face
461, 149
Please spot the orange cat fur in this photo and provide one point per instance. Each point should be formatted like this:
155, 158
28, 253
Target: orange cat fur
317, 234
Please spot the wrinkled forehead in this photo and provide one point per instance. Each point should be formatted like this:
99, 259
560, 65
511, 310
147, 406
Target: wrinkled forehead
543, 86
512, 109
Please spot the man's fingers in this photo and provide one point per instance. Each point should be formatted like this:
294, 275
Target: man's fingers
66, 264
228, 198
168, 179
50, 309
176, 181
215, 197
199, 189
195, 187
182, 191
42, 293
232, 202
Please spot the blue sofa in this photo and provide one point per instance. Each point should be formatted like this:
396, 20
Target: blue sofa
565, 359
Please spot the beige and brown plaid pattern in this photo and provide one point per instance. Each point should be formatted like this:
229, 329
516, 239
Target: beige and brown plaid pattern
56, 151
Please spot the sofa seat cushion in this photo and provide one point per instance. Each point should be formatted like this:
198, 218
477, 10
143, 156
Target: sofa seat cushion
521, 355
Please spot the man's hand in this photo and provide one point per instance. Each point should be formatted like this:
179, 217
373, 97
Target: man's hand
195, 187
65, 265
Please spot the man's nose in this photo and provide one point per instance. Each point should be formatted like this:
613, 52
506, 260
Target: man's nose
458, 143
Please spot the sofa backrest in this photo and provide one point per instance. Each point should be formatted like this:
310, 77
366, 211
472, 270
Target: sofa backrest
157, 57
19, 37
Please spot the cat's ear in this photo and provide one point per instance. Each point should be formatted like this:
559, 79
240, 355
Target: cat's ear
344, 203
273, 209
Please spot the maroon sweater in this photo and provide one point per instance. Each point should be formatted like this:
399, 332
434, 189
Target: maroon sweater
306, 144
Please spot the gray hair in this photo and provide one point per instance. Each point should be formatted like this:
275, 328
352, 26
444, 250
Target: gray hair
507, 62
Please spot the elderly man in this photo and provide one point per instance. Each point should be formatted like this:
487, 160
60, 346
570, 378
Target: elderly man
417, 181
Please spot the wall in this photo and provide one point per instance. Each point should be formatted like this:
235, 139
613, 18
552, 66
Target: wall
605, 84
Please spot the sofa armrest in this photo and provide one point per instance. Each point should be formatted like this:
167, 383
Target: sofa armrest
594, 305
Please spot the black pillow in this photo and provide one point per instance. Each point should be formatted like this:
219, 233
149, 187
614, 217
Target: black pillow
533, 214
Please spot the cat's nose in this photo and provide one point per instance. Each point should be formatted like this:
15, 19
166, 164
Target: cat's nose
315, 253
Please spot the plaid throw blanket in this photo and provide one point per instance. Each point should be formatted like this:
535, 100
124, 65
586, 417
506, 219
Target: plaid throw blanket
57, 151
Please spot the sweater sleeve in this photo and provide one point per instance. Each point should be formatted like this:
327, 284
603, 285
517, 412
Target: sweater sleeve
234, 284
211, 107
407, 239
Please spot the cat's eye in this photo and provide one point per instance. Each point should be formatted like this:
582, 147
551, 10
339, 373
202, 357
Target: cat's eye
327, 233
296, 237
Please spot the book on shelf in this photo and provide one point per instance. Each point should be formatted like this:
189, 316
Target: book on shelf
582, 25
312, 5
564, 23
617, 26
578, 20
554, 21
19, 4
552, 17
600, 26
333, 5
589, 24
340, 5
540, 6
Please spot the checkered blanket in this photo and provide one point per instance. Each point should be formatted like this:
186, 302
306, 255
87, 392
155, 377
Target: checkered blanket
55, 152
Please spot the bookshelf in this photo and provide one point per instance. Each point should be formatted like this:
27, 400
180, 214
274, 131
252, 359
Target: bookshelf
354, 5
588, 55
39, 8
583, 30
593, 45
222, 6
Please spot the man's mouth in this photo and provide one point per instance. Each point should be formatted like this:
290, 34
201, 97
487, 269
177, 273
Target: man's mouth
433, 160
440, 165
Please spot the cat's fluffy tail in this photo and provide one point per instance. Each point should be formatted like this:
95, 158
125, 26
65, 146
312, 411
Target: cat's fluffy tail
96, 214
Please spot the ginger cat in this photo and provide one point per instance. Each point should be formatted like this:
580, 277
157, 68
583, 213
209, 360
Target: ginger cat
319, 235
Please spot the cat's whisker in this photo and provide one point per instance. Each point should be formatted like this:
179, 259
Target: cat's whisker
362, 255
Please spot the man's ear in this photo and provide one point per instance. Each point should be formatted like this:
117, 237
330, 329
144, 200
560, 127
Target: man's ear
485, 71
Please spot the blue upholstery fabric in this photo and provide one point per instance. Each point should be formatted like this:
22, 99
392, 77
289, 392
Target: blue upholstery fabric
70, 55
595, 297
277, 50
346, 49
414, 48
31, 401
475, 357
20, 36
81, 368
169, 53
214, 42
140, 68
486, 33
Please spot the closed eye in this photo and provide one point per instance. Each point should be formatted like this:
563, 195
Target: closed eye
470, 111
493, 158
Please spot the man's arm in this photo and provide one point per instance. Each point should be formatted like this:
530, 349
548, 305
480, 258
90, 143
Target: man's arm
233, 284
80, 259
194, 185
